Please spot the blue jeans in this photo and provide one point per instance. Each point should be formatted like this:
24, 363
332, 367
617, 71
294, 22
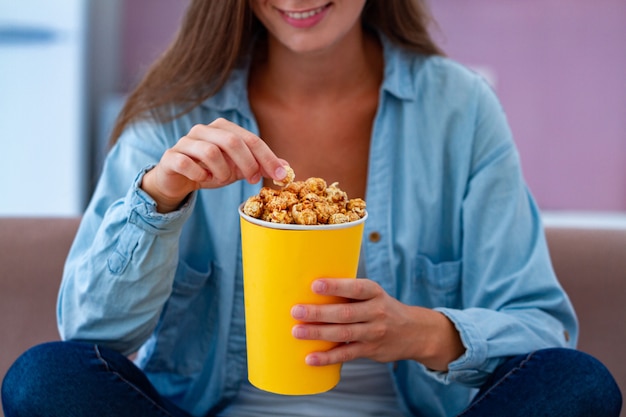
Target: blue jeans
78, 379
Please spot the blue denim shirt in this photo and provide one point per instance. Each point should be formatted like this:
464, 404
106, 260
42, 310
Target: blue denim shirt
451, 226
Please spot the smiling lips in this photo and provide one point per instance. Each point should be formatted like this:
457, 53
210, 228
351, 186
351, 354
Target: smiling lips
304, 15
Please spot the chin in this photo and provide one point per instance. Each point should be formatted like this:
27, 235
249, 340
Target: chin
307, 45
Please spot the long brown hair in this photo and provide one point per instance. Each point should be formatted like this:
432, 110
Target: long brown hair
216, 34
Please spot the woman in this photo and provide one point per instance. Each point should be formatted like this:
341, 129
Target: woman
459, 295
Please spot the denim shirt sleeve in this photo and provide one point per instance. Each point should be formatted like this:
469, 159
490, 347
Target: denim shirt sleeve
512, 301
121, 266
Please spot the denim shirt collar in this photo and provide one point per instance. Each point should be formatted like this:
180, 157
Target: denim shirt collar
234, 94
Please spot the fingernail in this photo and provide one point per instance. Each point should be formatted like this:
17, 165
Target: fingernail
319, 287
298, 312
280, 173
298, 332
312, 360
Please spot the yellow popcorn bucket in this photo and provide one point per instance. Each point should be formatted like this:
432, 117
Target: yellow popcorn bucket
280, 262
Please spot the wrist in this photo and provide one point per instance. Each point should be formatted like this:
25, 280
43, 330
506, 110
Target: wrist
164, 203
441, 342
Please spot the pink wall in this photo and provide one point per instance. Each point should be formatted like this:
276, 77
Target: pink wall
560, 70
561, 75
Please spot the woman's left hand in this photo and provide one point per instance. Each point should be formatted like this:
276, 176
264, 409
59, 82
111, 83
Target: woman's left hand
372, 324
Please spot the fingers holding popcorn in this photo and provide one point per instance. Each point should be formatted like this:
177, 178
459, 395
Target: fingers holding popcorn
210, 156
251, 157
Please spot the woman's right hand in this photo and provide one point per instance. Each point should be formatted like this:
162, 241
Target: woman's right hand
210, 156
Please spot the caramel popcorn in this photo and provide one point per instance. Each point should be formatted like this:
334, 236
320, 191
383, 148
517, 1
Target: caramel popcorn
308, 202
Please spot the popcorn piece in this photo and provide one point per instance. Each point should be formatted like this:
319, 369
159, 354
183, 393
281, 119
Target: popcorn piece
338, 218
268, 193
278, 202
314, 185
253, 207
295, 187
288, 178
337, 196
352, 216
303, 215
278, 216
356, 205
310, 197
290, 197
324, 210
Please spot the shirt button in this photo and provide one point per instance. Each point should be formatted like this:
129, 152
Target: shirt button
566, 335
374, 237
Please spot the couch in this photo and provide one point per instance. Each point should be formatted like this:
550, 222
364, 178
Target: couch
590, 263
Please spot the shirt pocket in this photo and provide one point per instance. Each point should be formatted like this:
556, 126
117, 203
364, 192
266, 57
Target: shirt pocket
437, 284
181, 339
